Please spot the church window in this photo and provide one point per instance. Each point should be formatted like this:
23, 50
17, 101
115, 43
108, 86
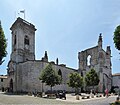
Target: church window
11, 85
15, 40
26, 40
89, 60
1, 79
59, 73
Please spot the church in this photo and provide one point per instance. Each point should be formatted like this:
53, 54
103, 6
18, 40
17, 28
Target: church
24, 70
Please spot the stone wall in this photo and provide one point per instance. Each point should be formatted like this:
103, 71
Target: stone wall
28, 76
99, 60
116, 80
3, 82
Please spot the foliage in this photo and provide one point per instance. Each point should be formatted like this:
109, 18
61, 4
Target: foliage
3, 45
115, 103
75, 80
49, 76
116, 37
92, 78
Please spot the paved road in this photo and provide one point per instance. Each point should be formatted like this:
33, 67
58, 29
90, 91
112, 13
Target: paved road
93, 101
6, 99
103, 101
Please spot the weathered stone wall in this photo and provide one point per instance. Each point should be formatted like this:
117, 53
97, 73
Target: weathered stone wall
3, 82
23, 50
28, 76
100, 61
116, 80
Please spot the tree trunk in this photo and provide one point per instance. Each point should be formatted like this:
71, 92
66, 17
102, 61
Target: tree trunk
93, 90
51, 88
77, 91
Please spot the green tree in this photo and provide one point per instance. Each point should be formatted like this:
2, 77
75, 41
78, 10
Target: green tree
75, 81
116, 37
91, 78
49, 76
3, 45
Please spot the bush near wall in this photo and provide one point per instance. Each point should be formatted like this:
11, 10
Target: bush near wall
116, 103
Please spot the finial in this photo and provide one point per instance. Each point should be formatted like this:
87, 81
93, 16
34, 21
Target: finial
108, 48
46, 55
57, 61
0, 22
100, 34
100, 37
100, 41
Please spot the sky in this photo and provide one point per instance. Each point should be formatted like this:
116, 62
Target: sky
64, 27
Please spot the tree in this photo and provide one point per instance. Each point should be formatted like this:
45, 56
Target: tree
75, 81
116, 37
49, 76
91, 78
3, 44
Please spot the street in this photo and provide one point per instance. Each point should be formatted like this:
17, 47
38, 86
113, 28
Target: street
6, 99
104, 101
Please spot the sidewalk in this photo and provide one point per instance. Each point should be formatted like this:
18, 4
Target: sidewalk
71, 98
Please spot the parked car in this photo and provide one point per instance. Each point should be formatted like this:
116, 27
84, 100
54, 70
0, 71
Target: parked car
61, 94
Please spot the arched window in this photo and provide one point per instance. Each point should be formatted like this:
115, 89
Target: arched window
89, 60
26, 40
59, 72
11, 85
15, 40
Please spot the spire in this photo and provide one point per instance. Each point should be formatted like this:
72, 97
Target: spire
0, 24
100, 41
57, 61
100, 38
46, 57
108, 50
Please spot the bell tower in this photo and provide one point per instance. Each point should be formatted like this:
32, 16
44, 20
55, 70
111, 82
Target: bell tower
23, 41
100, 41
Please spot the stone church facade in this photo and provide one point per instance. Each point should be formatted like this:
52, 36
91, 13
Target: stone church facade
100, 60
23, 70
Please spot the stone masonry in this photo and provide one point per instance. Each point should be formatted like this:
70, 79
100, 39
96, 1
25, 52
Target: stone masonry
99, 60
24, 70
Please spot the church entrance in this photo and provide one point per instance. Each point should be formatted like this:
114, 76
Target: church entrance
11, 85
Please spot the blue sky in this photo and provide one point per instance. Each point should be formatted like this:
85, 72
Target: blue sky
64, 27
